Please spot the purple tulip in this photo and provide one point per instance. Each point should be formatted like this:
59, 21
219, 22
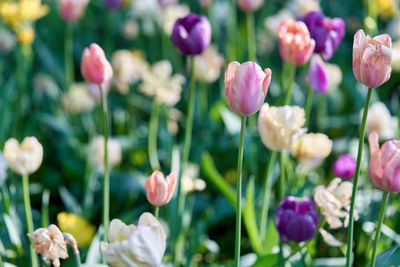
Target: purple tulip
317, 75
113, 4
326, 32
191, 34
296, 219
345, 166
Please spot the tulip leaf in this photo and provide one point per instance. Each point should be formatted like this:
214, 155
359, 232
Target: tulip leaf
272, 239
70, 202
267, 260
12, 230
93, 255
249, 218
389, 257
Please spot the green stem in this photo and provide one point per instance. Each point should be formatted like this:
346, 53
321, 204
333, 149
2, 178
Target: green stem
251, 42
239, 194
290, 76
203, 101
106, 180
45, 208
267, 195
156, 211
308, 106
77, 259
350, 231
381, 218
69, 56
282, 176
185, 157
281, 256
152, 138
29, 220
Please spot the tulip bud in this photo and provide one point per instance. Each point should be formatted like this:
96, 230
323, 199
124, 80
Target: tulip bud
72, 10
372, 59
94, 65
191, 34
384, 164
246, 87
280, 126
250, 5
159, 190
345, 166
113, 4
296, 219
295, 44
317, 75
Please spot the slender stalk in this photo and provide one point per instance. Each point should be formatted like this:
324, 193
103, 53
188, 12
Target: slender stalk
29, 220
251, 41
203, 101
350, 231
77, 259
185, 156
106, 179
156, 211
267, 194
281, 256
69, 56
282, 176
381, 218
308, 106
290, 76
239, 194
152, 138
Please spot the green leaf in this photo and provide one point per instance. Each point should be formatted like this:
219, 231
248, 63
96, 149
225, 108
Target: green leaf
273, 238
70, 202
13, 232
267, 260
389, 257
249, 218
93, 255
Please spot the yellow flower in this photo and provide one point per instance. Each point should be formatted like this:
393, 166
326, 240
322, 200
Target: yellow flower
77, 226
386, 8
22, 12
26, 36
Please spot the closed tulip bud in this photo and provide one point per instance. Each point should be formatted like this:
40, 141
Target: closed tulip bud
372, 59
295, 44
250, 5
384, 164
159, 190
24, 158
296, 219
317, 75
191, 34
72, 10
246, 86
280, 126
95, 67
345, 166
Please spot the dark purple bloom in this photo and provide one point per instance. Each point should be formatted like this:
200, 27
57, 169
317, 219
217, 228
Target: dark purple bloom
191, 34
345, 166
317, 75
113, 4
296, 219
326, 32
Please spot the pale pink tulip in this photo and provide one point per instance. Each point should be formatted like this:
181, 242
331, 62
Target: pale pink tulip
295, 44
246, 87
372, 59
159, 190
72, 10
250, 5
384, 164
95, 67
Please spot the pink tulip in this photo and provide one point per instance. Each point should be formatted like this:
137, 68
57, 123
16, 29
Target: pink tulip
372, 59
72, 10
384, 164
295, 44
250, 5
95, 67
159, 190
246, 87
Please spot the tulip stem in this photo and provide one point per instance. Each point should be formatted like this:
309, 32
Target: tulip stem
281, 256
251, 42
308, 106
156, 211
282, 176
381, 218
69, 56
239, 193
290, 78
152, 138
106, 180
29, 220
267, 195
350, 231
185, 157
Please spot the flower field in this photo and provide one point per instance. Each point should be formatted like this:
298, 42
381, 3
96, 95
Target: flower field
148, 133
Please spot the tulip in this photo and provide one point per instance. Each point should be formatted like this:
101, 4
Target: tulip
130, 245
78, 226
345, 166
317, 75
96, 151
246, 87
384, 164
279, 127
250, 5
296, 219
208, 65
326, 32
295, 44
113, 4
372, 58
94, 65
191, 34
72, 10
380, 120
159, 190
164, 3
